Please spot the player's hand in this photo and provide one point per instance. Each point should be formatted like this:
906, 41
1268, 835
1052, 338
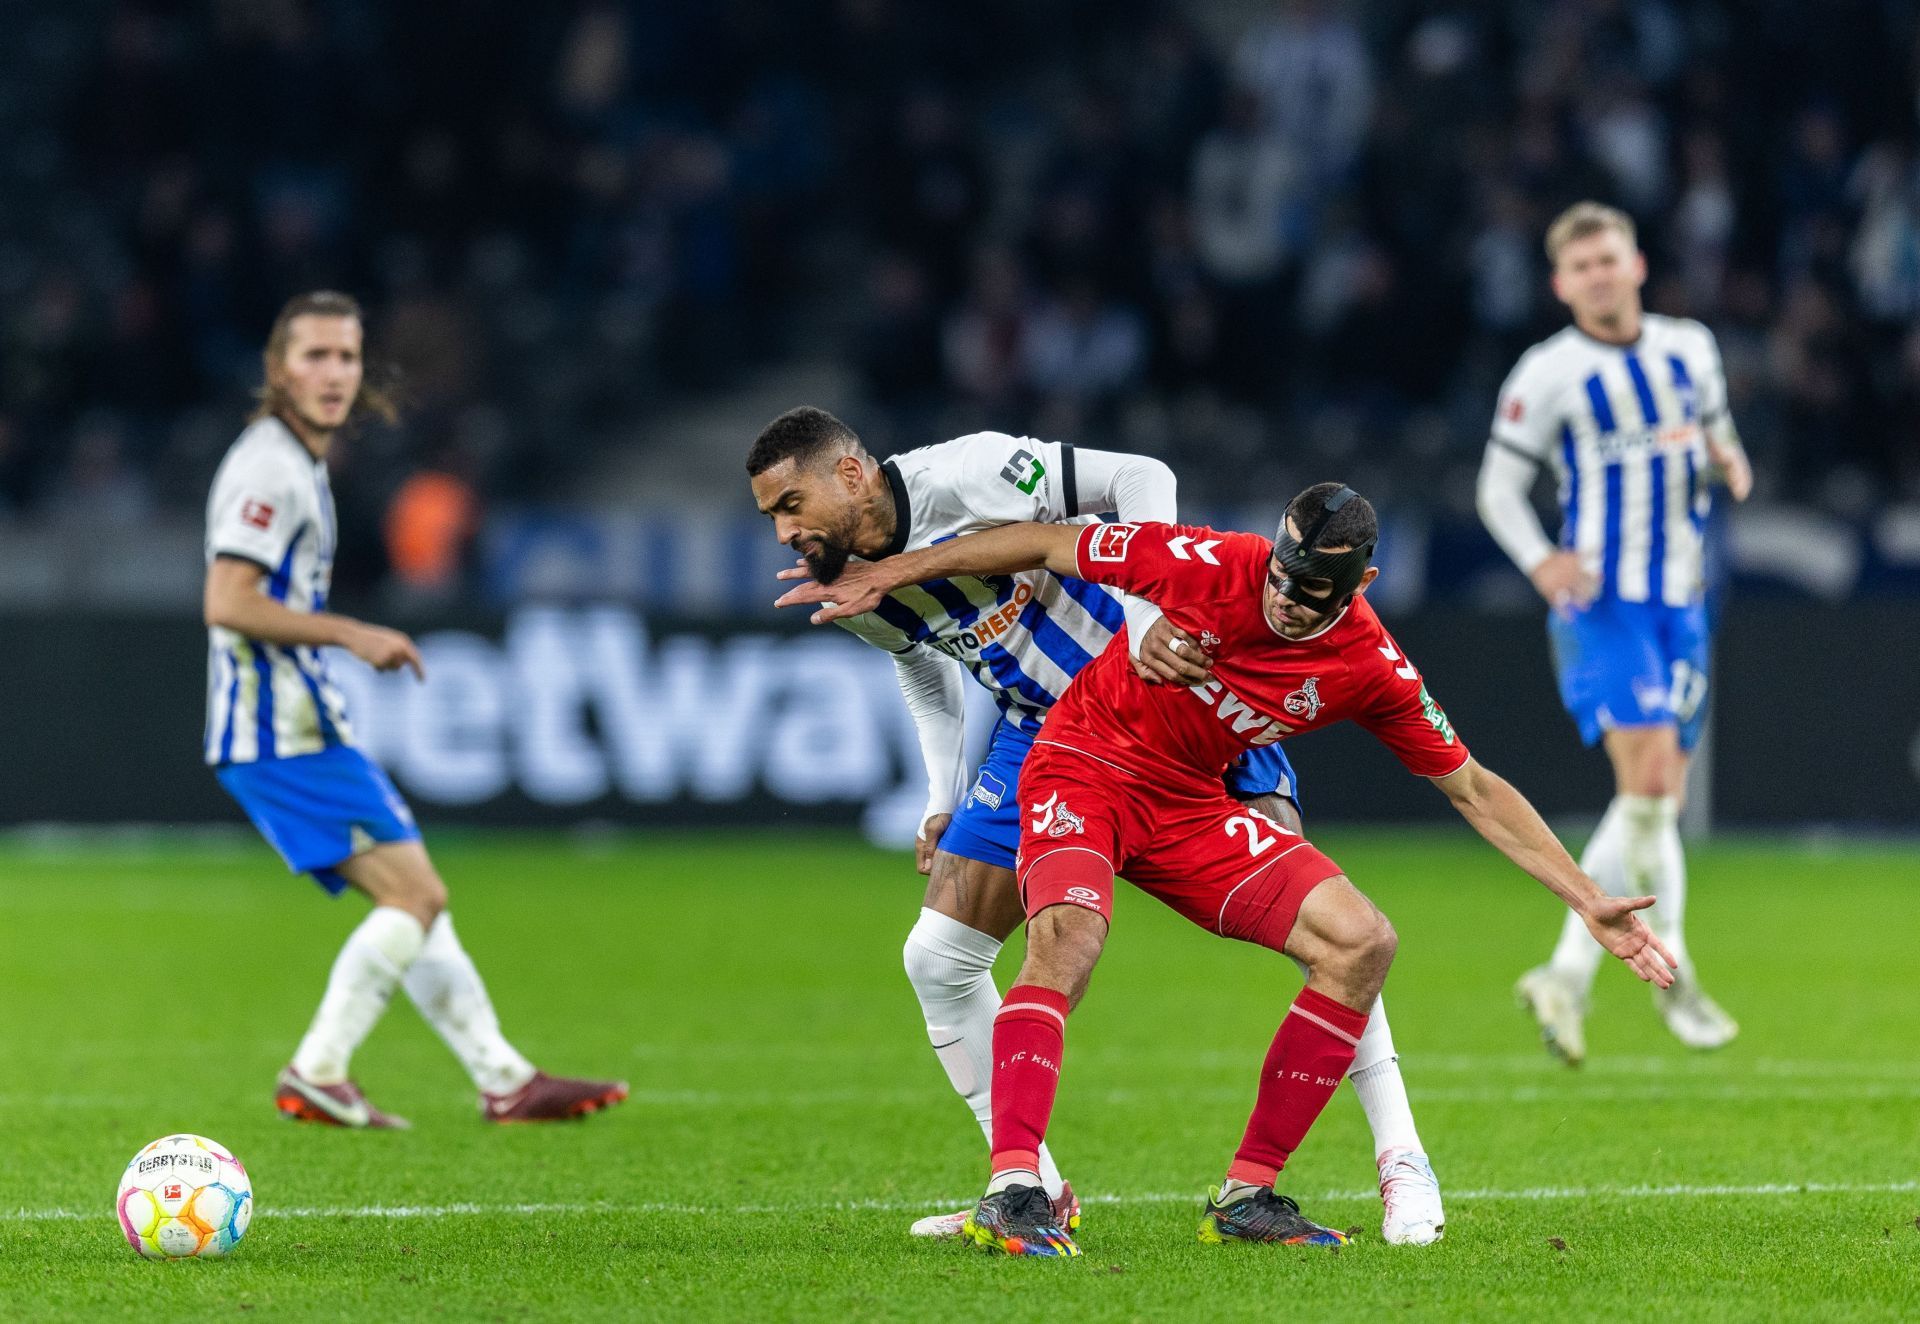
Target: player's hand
858, 591
928, 841
1171, 656
1564, 582
1615, 926
1731, 466
385, 650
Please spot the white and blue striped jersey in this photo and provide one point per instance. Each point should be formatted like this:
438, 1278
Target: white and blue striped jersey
1022, 636
1624, 429
271, 505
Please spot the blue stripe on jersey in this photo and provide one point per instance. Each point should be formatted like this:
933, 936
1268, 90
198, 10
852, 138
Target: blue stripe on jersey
904, 619
283, 577
1569, 525
233, 697
1657, 498
1683, 381
952, 601
263, 711
1657, 516
327, 732
1060, 648
1008, 675
1649, 411
1602, 407
1099, 604
1610, 556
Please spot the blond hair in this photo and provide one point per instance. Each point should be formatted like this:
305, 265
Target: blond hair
1583, 219
270, 399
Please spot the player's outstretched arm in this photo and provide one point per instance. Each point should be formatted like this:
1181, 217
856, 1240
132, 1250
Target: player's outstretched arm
1001, 551
233, 601
1505, 818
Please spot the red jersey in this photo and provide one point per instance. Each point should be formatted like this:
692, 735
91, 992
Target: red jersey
1265, 687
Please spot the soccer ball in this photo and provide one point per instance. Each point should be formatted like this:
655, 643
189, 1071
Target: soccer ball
183, 1196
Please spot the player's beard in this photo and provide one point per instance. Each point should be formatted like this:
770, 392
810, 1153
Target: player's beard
827, 556
826, 559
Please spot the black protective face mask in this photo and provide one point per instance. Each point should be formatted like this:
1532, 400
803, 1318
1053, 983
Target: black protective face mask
1300, 561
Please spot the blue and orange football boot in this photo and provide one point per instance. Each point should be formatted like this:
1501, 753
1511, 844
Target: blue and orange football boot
1020, 1220
1261, 1215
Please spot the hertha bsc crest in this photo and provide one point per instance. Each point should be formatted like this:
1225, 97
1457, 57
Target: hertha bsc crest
1305, 701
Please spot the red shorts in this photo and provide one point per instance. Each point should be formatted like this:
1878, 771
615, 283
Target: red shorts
1228, 869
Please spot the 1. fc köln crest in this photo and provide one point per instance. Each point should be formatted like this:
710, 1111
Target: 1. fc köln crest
1304, 702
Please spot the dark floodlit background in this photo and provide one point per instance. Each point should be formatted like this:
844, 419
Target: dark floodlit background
600, 244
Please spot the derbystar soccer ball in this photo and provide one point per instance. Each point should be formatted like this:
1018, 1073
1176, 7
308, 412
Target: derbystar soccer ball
183, 1196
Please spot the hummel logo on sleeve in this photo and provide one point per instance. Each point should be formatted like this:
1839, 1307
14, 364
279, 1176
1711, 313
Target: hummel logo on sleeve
1405, 670
1204, 549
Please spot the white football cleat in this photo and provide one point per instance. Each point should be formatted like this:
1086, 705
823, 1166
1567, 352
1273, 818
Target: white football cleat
1695, 1019
1560, 1010
1410, 1194
941, 1225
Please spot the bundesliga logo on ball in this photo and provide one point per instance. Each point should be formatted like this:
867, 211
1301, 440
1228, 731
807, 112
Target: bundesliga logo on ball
184, 1196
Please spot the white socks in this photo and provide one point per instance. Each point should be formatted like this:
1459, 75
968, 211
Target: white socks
371, 961
1657, 862
1375, 1074
449, 993
1635, 851
951, 968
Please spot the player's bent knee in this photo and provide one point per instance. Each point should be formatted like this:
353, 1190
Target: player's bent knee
943, 958
1063, 944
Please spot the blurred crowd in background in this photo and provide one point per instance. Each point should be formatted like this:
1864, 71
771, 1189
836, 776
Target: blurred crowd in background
1267, 241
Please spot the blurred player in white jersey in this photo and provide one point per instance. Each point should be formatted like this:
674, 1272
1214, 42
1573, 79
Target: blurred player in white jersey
1628, 410
1023, 637
279, 740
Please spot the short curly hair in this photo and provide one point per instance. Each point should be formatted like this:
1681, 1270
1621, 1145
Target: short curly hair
805, 434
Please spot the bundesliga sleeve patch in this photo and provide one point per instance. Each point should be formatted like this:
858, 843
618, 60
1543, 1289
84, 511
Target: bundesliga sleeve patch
256, 514
1109, 542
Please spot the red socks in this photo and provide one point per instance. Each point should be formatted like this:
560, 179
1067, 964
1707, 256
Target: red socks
1310, 1055
1028, 1037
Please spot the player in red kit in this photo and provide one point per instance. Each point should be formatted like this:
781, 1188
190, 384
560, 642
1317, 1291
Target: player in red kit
1126, 781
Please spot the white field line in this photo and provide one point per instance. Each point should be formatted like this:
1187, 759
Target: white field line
1675, 1191
1566, 1090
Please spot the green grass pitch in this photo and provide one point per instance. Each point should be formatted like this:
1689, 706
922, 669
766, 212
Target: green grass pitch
788, 1120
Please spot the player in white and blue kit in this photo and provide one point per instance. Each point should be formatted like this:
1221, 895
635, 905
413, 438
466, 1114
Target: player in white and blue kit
1023, 637
279, 739
1628, 411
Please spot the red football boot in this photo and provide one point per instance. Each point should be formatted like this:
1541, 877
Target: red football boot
300, 1100
552, 1099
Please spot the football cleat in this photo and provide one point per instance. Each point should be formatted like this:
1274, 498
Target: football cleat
1261, 1215
1019, 1221
552, 1099
1559, 1009
1410, 1197
1066, 1208
301, 1100
1695, 1019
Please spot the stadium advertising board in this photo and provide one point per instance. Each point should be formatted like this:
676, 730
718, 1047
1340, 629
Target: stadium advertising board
555, 716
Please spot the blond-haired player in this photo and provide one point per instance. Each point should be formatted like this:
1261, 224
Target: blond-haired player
1628, 410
